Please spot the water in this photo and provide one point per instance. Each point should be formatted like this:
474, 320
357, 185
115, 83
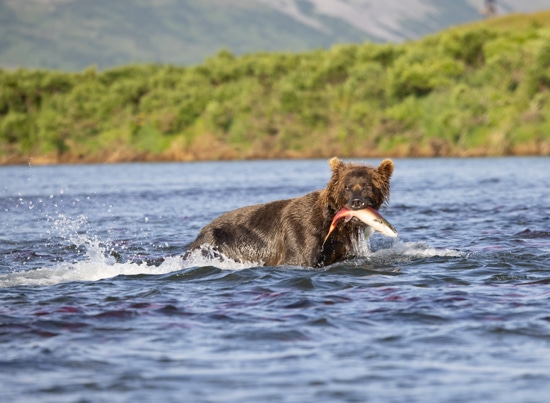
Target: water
96, 304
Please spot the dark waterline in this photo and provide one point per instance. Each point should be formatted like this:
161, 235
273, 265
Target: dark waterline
97, 305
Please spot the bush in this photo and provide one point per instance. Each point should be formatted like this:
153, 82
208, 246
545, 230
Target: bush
538, 74
457, 92
466, 46
418, 78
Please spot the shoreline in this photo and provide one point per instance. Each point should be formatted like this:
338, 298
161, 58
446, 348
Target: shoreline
128, 158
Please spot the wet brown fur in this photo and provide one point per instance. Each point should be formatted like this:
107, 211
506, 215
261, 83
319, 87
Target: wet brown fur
291, 232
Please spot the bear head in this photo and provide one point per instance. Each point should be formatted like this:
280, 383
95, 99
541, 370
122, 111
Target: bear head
358, 186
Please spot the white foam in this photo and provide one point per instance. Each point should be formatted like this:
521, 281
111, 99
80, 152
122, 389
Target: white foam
414, 249
205, 256
98, 264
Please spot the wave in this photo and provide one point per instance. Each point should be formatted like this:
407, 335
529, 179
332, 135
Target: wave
205, 256
415, 249
98, 263
96, 266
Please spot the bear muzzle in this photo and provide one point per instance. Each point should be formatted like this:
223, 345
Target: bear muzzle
357, 203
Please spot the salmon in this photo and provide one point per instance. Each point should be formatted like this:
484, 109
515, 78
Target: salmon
369, 216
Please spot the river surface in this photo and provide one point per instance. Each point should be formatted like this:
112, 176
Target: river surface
97, 305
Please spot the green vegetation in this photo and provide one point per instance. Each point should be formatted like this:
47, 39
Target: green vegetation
481, 89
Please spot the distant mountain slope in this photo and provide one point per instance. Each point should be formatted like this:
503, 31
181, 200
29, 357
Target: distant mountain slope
74, 34
396, 20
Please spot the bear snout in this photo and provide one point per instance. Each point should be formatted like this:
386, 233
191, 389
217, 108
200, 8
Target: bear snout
357, 203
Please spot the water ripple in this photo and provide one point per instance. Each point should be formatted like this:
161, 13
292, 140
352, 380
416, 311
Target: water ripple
98, 304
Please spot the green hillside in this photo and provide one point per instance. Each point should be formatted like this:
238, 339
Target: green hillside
481, 89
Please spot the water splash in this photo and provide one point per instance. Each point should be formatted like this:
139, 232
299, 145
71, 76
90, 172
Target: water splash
97, 262
414, 249
206, 256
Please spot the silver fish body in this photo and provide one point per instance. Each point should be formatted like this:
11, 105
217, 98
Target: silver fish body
369, 216
375, 220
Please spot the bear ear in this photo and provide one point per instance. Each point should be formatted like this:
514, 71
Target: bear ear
386, 168
335, 164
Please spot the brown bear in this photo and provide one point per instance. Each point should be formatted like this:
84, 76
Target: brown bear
292, 232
